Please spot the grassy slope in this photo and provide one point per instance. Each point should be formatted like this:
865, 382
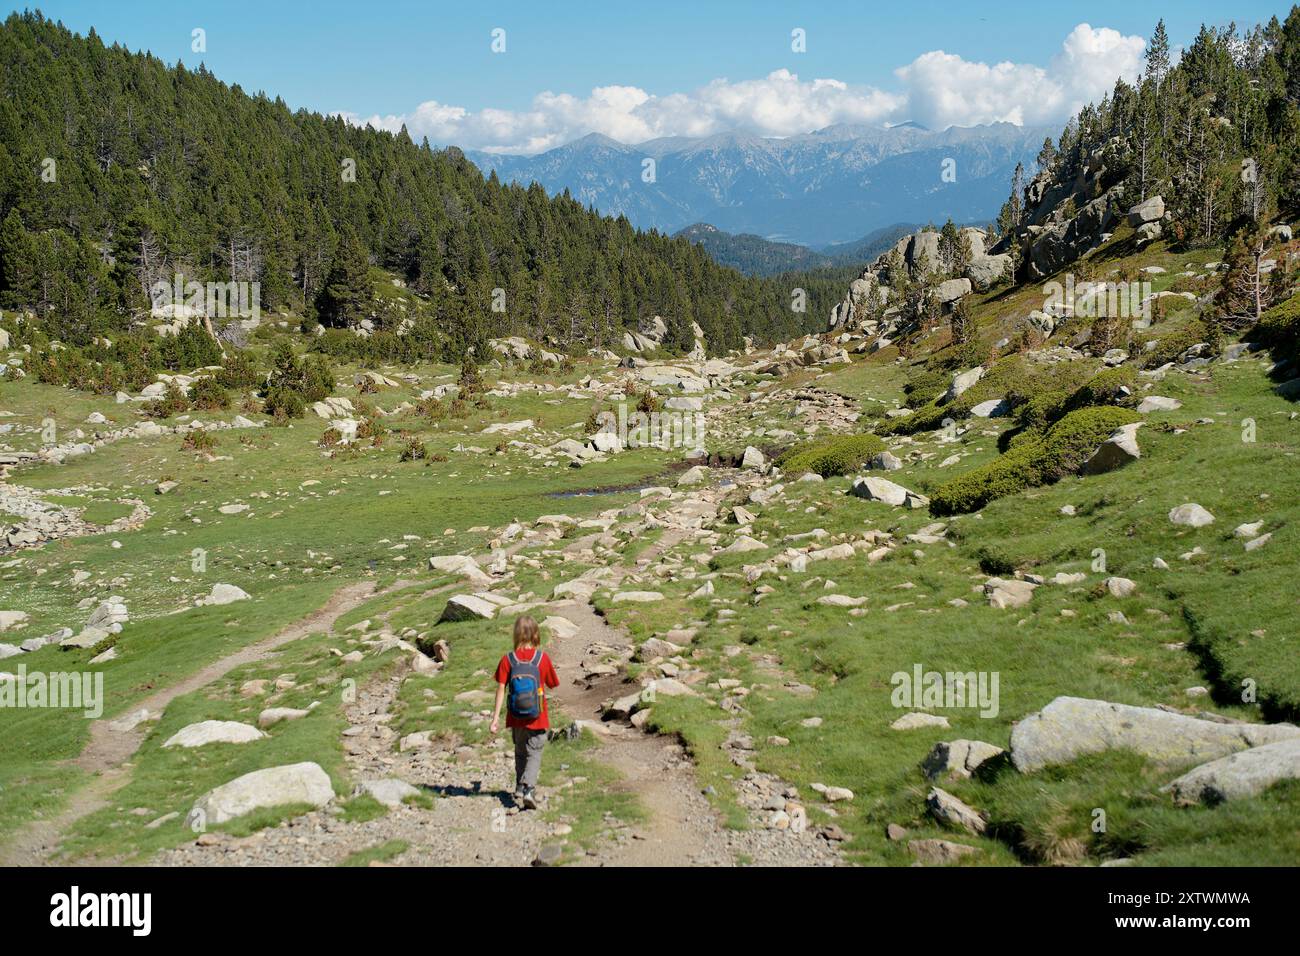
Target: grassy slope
289, 551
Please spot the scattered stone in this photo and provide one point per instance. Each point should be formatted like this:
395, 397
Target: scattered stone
391, 792
918, 720
1008, 593
213, 732
295, 783
1191, 515
1244, 774
947, 809
274, 715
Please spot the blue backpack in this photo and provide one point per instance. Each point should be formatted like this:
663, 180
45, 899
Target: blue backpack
525, 687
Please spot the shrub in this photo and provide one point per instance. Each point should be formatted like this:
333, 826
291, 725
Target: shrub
413, 450
282, 402
1037, 459
1173, 344
238, 372
1043, 409
1014, 378
172, 402
1279, 328
925, 386
330, 437
843, 455
470, 379
199, 440
1108, 387
209, 395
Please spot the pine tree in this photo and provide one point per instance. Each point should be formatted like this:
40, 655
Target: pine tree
345, 298
1244, 289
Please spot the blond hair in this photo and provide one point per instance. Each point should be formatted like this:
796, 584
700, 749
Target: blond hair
526, 632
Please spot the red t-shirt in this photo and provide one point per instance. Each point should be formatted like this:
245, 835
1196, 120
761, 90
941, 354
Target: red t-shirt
549, 678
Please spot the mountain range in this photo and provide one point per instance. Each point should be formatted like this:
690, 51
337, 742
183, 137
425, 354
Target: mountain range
756, 256
834, 185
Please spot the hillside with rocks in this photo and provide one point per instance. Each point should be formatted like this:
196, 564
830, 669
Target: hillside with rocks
993, 568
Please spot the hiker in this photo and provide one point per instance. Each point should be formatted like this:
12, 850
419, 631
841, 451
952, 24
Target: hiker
522, 678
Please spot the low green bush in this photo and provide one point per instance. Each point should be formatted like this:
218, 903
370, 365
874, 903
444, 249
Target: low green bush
207, 394
1279, 328
1173, 344
1014, 378
843, 455
1036, 459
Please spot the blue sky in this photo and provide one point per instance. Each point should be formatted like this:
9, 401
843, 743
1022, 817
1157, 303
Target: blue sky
383, 60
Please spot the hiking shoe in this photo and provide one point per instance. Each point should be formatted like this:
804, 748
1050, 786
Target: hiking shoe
530, 798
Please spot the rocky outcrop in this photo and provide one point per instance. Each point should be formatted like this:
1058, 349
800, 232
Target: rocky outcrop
1071, 727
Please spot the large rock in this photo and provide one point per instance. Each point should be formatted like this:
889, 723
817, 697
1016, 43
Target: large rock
389, 791
946, 808
304, 783
1191, 515
11, 619
961, 382
695, 475
213, 732
636, 597
1115, 452
938, 852
1149, 210
957, 758
468, 607
459, 564
881, 489
224, 594
1009, 592
986, 271
950, 290
1070, 727
1244, 774
1158, 403
922, 250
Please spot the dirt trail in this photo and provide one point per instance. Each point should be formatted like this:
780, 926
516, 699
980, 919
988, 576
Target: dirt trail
113, 742
681, 828
473, 820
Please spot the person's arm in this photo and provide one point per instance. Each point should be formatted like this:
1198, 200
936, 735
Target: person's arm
496, 709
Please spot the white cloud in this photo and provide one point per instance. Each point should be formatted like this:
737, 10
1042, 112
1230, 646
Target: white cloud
938, 89
945, 90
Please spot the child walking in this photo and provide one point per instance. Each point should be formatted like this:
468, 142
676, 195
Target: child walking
522, 678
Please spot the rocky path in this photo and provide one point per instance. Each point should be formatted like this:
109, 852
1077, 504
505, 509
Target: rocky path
473, 819
449, 803
113, 742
